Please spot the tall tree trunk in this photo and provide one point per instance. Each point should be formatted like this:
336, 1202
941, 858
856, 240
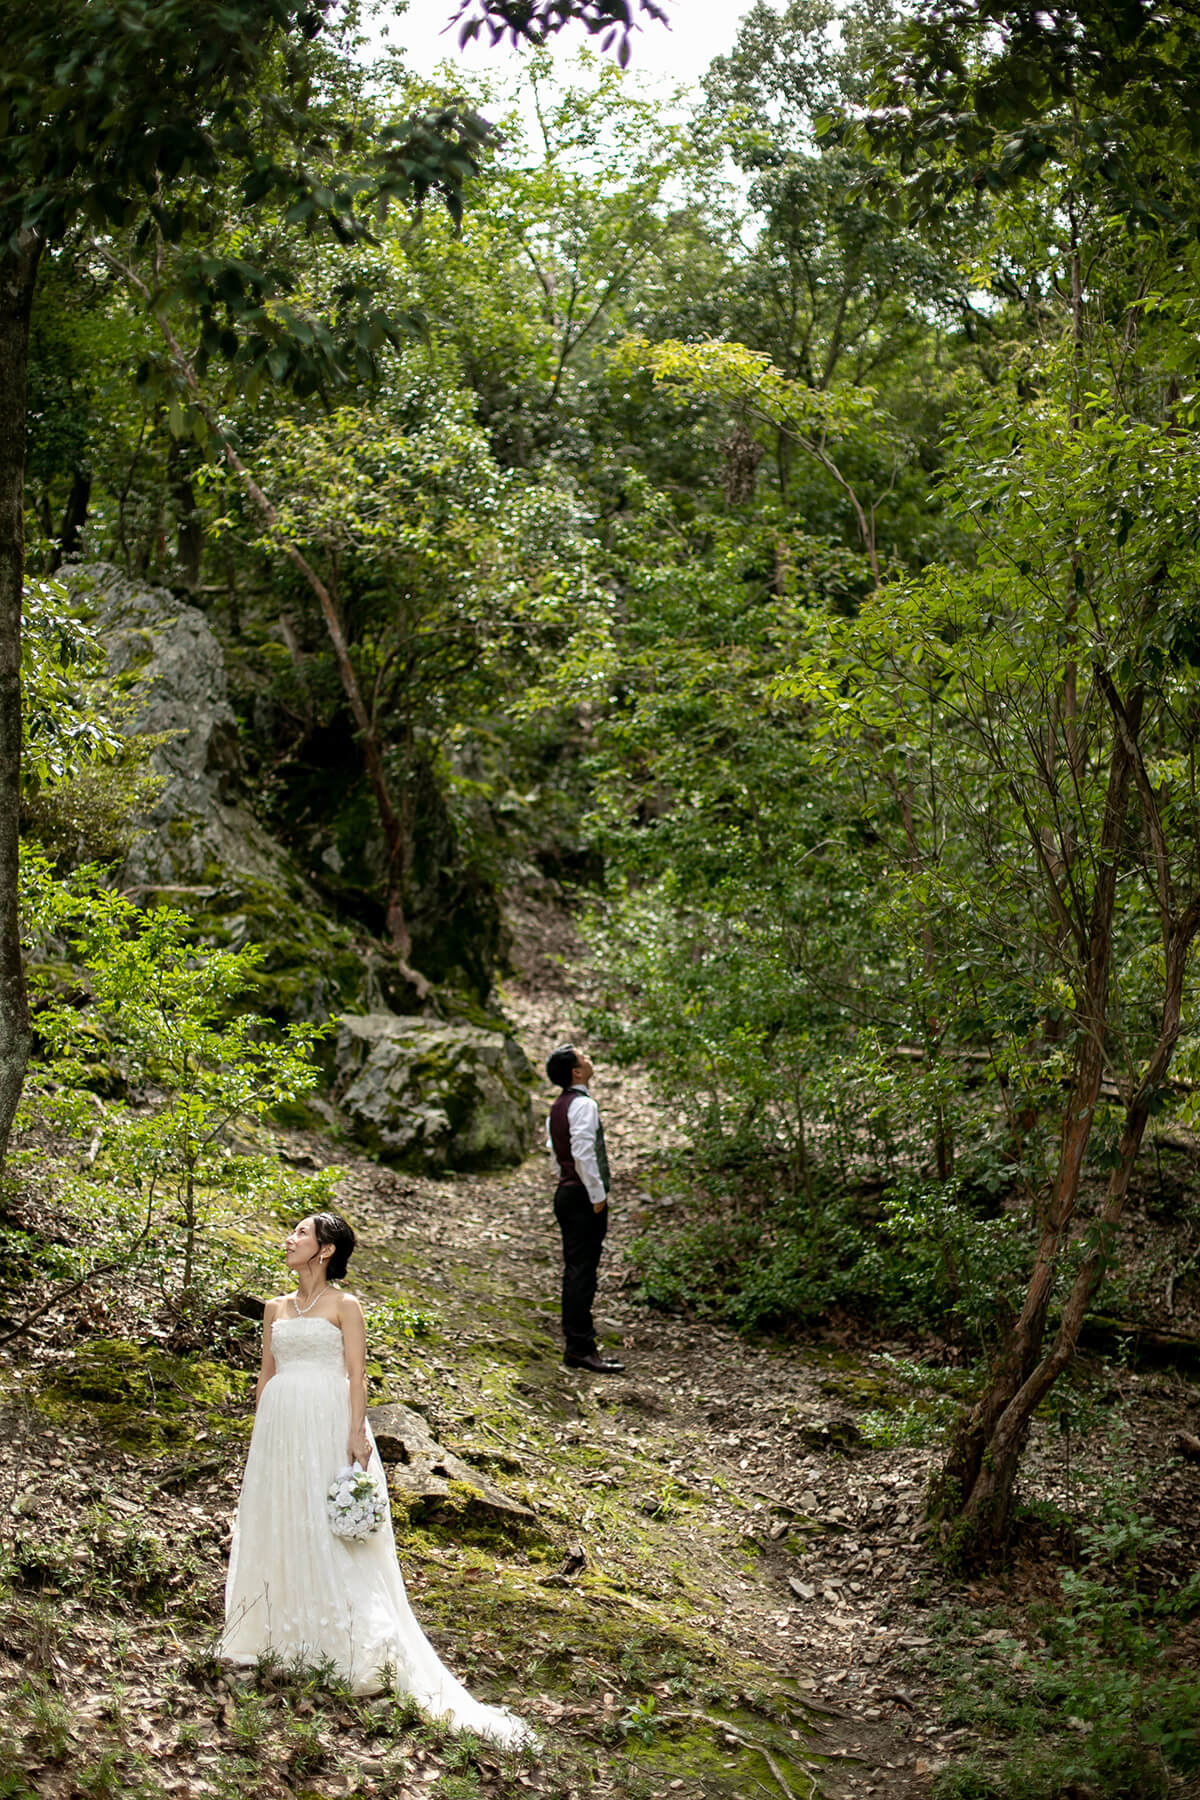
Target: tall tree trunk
394, 832
975, 1488
74, 519
943, 1140
18, 275
985, 1515
189, 525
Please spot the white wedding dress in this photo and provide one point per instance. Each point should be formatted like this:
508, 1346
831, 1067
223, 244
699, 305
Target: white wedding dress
299, 1592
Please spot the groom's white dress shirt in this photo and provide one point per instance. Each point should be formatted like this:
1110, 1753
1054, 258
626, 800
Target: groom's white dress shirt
584, 1122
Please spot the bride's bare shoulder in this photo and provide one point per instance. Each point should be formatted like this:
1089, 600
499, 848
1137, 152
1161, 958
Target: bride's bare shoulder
274, 1307
348, 1304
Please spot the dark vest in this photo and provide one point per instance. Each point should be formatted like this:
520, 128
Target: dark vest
560, 1137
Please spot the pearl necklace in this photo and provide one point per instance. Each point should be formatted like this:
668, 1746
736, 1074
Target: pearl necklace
301, 1310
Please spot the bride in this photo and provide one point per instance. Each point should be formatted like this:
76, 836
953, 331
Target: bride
294, 1589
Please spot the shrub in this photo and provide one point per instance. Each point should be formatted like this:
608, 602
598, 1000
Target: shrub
925, 1260
1095, 1705
160, 1024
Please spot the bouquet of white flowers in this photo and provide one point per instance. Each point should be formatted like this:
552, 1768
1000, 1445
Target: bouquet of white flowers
355, 1503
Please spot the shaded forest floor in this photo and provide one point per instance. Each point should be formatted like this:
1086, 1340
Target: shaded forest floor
727, 1592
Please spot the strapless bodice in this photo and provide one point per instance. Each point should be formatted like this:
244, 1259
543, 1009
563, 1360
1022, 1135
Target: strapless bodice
307, 1347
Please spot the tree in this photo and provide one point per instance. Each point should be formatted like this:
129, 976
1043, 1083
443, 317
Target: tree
1062, 882
437, 564
105, 112
130, 118
976, 101
580, 221
832, 288
1085, 115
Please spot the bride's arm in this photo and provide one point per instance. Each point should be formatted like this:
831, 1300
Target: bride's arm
354, 1346
267, 1367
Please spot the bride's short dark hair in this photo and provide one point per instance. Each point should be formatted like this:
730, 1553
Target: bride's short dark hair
331, 1228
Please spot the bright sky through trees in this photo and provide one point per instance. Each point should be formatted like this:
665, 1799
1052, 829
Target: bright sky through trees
700, 30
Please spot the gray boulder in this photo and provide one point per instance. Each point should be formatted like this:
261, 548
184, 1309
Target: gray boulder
432, 1096
174, 663
196, 843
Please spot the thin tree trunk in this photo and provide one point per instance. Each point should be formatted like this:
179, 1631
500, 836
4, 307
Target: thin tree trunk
393, 831
943, 1142
189, 525
985, 1515
975, 1488
18, 276
74, 519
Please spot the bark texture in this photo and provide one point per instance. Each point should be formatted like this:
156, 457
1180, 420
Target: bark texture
976, 1487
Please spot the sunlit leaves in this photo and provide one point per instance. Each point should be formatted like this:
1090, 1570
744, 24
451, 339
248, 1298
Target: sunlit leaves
161, 1021
747, 378
64, 728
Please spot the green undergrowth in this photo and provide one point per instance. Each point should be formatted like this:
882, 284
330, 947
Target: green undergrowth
312, 967
297, 1724
1097, 1693
393, 1322
899, 1402
918, 1257
116, 1566
638, 1689
647, 1684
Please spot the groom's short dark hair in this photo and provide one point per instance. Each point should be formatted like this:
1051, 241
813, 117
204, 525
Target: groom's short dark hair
560, 1065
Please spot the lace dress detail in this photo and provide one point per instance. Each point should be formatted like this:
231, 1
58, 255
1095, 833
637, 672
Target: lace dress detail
300, 1593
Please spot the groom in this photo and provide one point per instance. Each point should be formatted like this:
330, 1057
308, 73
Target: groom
576, 1137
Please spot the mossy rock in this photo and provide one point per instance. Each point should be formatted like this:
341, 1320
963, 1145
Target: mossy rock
839, 1435
864, 1393
431, 1096
312, 968
429, 1483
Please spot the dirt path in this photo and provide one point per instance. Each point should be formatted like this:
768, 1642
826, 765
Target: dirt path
726, 1483
707, 1479
701, 1610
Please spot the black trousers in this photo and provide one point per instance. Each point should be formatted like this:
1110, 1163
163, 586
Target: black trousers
583, 1232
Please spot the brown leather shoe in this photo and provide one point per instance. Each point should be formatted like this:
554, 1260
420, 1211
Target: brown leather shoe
599, 1365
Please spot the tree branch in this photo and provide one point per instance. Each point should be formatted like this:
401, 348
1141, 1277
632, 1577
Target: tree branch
1154, 824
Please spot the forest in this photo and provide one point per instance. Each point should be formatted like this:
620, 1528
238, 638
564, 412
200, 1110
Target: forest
711, 575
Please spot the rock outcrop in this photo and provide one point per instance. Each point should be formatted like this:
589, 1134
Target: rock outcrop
198, 846
173, 662
433, 1480
431, 1096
